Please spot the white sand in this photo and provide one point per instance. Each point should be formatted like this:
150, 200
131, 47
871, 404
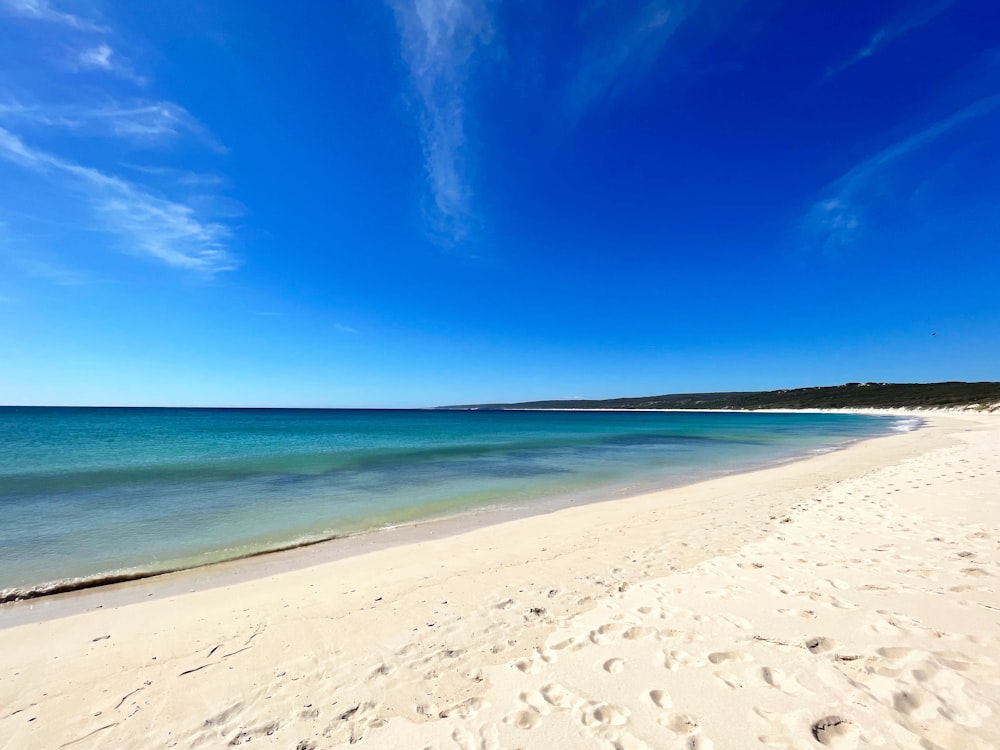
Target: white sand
845, 601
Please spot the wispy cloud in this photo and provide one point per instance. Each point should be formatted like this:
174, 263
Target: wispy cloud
97, 57
140, 120
182, 177
168, 231
835, 220
76, 32
627, 41
439, 39
42, 10
178, 217
891, 31
103, 58
344, 328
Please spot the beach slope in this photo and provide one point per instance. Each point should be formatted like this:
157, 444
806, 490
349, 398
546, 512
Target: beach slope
848, 600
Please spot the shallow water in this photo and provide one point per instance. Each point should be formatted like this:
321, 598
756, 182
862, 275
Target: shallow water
88, 495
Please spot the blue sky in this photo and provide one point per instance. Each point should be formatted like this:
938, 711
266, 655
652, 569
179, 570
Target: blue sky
418, 202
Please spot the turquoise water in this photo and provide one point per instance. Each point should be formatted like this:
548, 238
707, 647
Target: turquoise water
91, 495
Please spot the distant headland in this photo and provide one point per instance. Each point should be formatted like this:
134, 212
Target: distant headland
983, 396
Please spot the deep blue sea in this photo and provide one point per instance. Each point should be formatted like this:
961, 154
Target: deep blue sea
89, 495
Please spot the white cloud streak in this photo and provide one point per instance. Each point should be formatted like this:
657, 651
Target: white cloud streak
104, 59
629, 49
439, 39
42, 10
892, 31
835, 220
139, 120
97, 57
192, 233
152, 226
184, 177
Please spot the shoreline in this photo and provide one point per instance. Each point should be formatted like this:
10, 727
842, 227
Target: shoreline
72, 595
845, 600
874, 410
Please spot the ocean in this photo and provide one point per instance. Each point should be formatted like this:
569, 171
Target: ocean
92, 495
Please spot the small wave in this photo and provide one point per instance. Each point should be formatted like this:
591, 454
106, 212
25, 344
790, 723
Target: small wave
908, 424
15, 594
824, 449
66, 585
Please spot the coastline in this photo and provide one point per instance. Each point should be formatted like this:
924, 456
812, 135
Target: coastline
471, 619
60, 595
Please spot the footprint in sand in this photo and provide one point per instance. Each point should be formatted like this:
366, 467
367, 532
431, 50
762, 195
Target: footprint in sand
820, 644
601, 635
729, 680
608, 714
563, 644
465, 709
614, 666
536, 702
523, 719
682, 724
556, 695
776, 678
660, 698
976, 572
916, 703
681, 635
678, 658
636, 633
894, 653
724, 657
836, 731
804, 613
244, 735
833, 601
535, 665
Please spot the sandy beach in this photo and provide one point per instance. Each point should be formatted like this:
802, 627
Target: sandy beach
847, 600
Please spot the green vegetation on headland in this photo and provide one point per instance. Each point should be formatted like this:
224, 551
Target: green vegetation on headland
847, 396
